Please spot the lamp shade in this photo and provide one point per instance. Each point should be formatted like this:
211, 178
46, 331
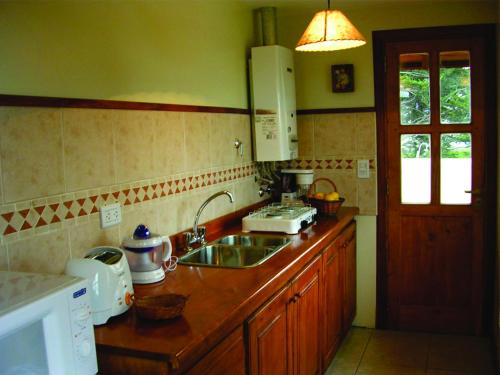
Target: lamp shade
330, 30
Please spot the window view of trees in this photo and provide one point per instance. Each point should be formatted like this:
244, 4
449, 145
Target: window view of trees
454, 108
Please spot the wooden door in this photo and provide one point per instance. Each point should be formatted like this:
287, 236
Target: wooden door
348, 252
270, 337
332, 301
306, 301
435, 117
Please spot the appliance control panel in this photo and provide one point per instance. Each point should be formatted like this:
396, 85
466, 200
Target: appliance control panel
82, 329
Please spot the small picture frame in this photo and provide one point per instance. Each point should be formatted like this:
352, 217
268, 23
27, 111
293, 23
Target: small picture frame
343, 78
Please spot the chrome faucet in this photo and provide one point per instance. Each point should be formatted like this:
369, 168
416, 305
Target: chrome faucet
198, 234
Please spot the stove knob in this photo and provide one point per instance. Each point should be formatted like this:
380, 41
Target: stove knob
304, 224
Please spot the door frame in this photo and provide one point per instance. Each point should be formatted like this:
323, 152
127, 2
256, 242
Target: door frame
380, 40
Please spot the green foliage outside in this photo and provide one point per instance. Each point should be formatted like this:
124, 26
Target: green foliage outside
454, 109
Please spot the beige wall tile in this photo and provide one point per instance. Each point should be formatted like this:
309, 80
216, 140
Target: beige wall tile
367, 195
31, 153
4, 265
222, 205
196, 140
147, 215
196, 200
243, 131
366, 134
88, 148
169, 149
246, 193
1, 174
345, 182
221, 140
46, 253
133, 134
334, 135
305, 128
167, 217
185, 213
86, 236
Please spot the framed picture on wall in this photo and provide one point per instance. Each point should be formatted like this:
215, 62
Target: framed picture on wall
343, 78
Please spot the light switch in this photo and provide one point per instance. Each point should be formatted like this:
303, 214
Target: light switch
363, 168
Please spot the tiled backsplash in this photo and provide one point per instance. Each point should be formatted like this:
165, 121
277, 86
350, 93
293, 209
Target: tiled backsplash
332, 144
59, 166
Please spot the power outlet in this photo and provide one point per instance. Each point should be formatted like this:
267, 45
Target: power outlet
363, 168
110, 215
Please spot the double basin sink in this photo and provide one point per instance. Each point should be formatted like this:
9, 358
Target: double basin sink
236, 251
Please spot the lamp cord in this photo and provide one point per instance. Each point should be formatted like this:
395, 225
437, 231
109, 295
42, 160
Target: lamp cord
328, 4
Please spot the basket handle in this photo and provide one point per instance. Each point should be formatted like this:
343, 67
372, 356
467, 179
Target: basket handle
313, 185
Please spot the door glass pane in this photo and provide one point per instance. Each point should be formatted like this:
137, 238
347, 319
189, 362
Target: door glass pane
414, 90
456, 168
454, 83
416, 168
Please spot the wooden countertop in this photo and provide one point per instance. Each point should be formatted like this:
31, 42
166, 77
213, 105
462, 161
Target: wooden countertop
220, 299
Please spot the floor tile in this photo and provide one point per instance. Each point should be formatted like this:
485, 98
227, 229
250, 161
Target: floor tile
390, 348
461, 353
451, 372
379, 369
354, 345
342, 368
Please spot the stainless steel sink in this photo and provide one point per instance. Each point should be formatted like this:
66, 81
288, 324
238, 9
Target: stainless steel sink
236, 251
253, 240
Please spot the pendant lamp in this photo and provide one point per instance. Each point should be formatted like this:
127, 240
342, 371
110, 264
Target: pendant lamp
330, 30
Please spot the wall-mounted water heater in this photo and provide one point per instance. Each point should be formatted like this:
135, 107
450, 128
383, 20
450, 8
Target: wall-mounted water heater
274, 118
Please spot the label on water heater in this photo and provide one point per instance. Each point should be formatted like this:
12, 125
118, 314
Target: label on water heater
267, 125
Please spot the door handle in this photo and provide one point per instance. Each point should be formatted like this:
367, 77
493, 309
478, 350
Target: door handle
473, 192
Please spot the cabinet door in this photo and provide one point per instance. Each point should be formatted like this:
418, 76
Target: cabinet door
332, 302
307, 303
227, 358
270, 337
349, 255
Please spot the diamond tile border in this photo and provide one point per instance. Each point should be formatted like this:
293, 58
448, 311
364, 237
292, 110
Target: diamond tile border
40, 214
342, 164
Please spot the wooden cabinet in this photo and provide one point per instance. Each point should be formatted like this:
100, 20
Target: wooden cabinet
270, 338
227, 358
284, 335
333, 295
307, 319
338, 290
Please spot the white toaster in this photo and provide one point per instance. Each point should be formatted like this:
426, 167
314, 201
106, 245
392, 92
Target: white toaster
110, 282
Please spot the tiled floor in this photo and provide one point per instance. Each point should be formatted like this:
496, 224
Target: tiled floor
375, 352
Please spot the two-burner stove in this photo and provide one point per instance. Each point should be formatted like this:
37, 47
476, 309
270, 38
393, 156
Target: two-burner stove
278, 217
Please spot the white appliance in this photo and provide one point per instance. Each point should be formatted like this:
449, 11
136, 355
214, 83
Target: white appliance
274, 118
108, 273
277, 217
45, 325
295, 183
148, 254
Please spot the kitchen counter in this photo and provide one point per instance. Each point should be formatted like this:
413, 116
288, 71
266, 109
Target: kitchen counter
220, 299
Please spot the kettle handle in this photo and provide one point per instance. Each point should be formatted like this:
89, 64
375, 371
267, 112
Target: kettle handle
167, 248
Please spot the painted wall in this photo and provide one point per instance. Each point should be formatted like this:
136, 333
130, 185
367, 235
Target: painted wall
313, 70
181, 52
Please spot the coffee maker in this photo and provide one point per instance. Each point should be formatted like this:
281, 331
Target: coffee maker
295, 183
